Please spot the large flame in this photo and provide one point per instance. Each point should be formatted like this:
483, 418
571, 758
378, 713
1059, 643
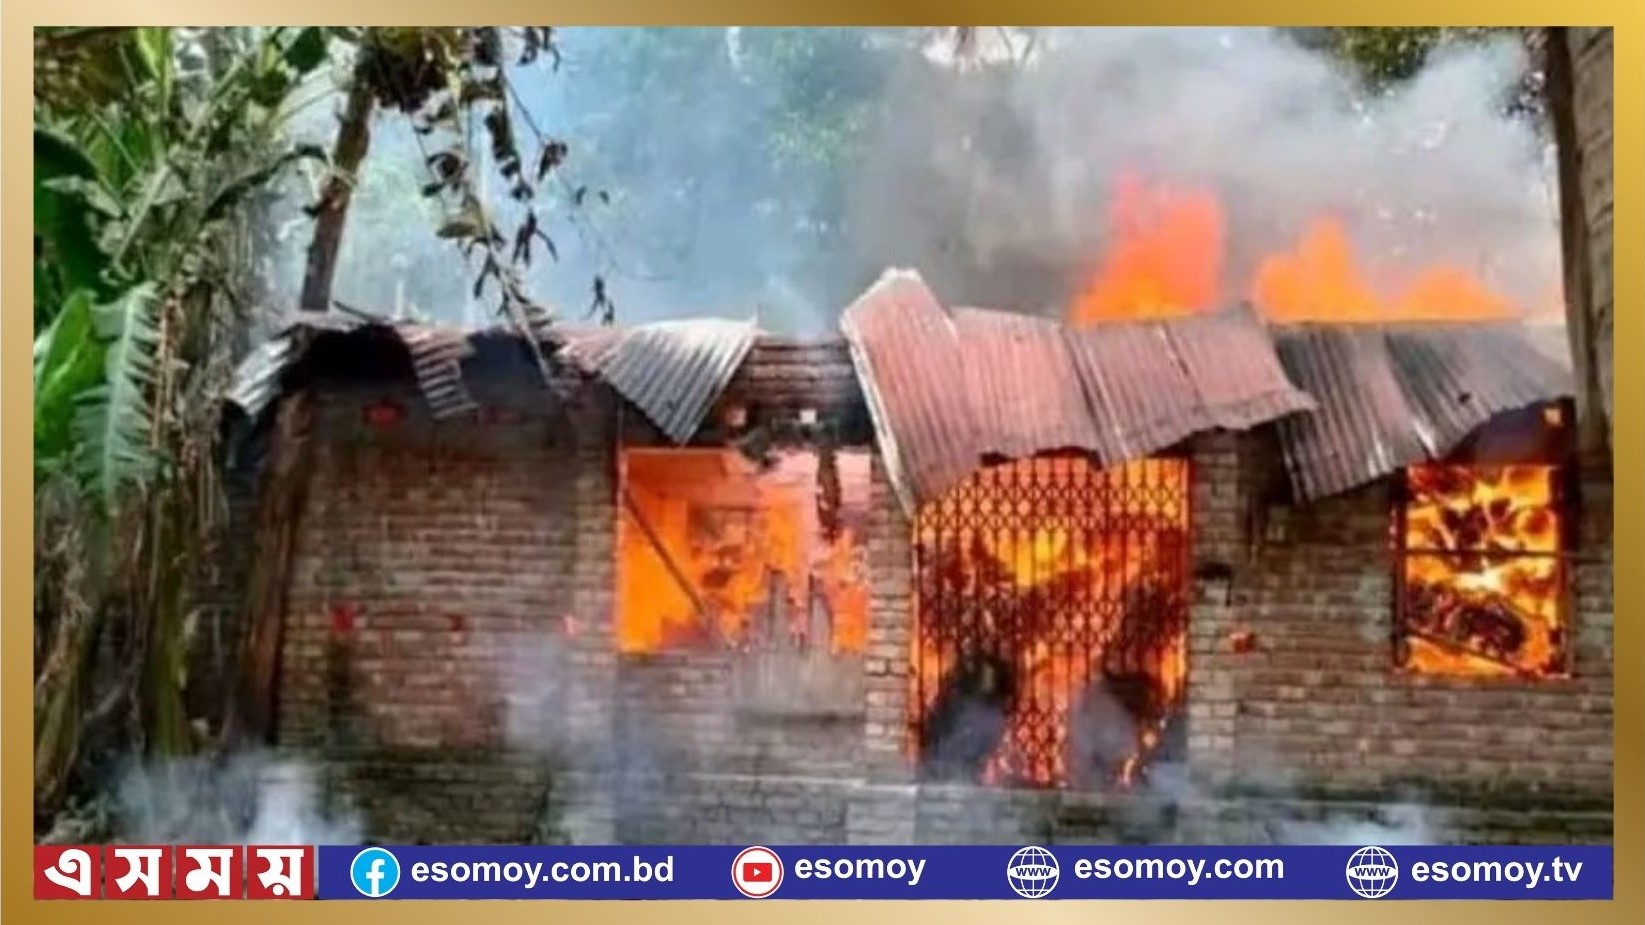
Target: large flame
1322, 281
1482, 569
715, 551
1165, 257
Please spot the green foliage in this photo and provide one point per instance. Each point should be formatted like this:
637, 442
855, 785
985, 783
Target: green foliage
136, 187
1388, 55
113, 425
68, 363
66, 200
151, 144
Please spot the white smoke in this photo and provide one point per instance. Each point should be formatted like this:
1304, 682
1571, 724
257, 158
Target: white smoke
1392, 824
1000, 193
1284, 810
539, 696
993, 181
246, 798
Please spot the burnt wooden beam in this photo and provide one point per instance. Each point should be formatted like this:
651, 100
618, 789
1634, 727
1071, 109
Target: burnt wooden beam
279, 511
673, 567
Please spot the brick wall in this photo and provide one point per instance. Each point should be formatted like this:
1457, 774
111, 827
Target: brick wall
453, 589
436, 603
425, 551
445, 560
1315, 707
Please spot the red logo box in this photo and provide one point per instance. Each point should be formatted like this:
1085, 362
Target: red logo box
211, 871
67, 871
136, 872
280, 872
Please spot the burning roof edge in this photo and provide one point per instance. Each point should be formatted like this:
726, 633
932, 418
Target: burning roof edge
893, 453
1412, 393
950, 389
1396, 395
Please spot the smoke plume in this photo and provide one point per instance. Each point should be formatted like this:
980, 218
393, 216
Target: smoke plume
1001, 193
245, 798
995, 182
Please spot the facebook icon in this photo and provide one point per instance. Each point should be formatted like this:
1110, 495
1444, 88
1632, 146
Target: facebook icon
375, 873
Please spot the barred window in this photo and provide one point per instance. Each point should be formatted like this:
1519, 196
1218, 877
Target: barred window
1051, 601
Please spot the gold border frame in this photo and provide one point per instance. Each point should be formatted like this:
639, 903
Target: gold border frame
16, 801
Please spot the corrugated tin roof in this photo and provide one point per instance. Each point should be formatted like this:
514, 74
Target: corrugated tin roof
1363, 428
584, 347
1230, 358
947, 391
907, 356
1025, 388
1551, 339
1458, 377
1141, 394
258, 378
673, 371
1395, 396
1155, 383
334, 321
437, 356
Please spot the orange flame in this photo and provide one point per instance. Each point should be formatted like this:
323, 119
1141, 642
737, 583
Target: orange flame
1482, 571
1109, 565
1166, 258
1322, 281
713, 551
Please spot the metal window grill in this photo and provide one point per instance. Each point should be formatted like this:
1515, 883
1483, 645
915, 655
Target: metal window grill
1476, 597
1051, 603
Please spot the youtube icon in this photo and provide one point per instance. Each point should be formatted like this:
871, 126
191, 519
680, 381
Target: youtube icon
757, 872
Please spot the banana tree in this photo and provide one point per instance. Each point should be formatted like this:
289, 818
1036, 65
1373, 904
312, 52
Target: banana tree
151, 146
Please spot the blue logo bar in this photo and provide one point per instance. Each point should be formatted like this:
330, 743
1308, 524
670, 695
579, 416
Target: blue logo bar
374, 873
1354, 873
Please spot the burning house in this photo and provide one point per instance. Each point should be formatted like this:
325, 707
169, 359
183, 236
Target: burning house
957, 575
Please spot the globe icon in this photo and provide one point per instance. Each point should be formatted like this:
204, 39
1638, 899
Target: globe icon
1372, 872
1033, 872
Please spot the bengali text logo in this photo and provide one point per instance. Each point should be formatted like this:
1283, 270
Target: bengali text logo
66, 871
137, 872
210, 871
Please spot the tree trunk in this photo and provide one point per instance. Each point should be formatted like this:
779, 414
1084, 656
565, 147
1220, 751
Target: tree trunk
59, 708
1579, 86
353, 141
